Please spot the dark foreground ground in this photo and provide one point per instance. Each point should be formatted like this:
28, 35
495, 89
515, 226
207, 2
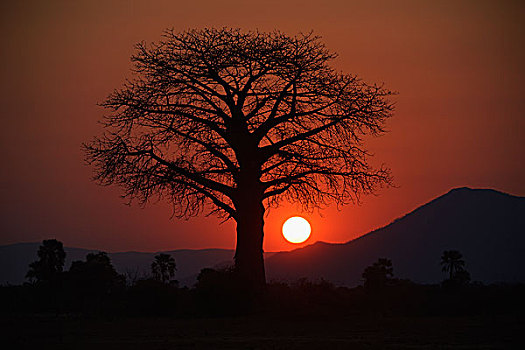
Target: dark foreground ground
263, 332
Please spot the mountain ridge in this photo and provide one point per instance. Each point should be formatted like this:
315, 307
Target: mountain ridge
474, 221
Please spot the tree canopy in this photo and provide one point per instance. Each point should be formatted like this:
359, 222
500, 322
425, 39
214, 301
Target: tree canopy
232, 123
50, 263
205, 104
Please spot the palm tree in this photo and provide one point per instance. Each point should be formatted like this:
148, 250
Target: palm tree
452, 262
163, 268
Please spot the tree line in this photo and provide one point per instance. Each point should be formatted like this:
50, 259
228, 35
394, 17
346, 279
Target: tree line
93, 287
96, 269
380, 274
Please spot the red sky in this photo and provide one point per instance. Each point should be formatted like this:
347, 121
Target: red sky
458, 67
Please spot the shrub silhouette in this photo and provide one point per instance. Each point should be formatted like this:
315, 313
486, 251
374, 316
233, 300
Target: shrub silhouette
377, 275
151, 297
221, 292
92, 282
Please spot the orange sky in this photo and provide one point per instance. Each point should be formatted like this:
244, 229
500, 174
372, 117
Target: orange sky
457, 65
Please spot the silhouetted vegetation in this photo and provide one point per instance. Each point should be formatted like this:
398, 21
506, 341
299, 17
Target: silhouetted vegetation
163, 268
453, 263
378, 275
150, 312
93, 287
151, 297
94, 284
221, 292
50, 263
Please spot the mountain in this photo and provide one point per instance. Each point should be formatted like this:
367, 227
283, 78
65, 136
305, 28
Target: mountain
15, 259
486, 226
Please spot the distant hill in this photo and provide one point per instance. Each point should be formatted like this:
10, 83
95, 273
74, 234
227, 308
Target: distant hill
486, 226
15, 258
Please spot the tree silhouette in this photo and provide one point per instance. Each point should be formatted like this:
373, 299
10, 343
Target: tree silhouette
377, 275
453, 263
163, 268
232, 123
50, 263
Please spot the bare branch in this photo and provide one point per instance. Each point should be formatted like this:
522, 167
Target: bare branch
215, 117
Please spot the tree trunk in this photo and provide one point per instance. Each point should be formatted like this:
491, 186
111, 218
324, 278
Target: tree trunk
249, 260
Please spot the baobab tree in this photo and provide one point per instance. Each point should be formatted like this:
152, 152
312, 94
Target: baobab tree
231, 123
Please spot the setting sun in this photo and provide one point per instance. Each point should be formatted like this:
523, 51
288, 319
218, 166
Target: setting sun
296, 229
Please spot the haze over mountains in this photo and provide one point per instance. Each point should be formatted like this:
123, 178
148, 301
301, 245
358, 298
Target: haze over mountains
486, 226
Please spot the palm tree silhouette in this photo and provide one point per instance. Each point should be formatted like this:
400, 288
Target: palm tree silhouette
452, 262
163, 268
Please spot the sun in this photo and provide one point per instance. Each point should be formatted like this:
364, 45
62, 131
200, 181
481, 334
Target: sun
296, 229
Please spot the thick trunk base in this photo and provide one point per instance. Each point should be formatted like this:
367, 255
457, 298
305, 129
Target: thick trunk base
249, 260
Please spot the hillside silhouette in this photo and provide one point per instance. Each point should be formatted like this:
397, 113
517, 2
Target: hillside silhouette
487, 226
